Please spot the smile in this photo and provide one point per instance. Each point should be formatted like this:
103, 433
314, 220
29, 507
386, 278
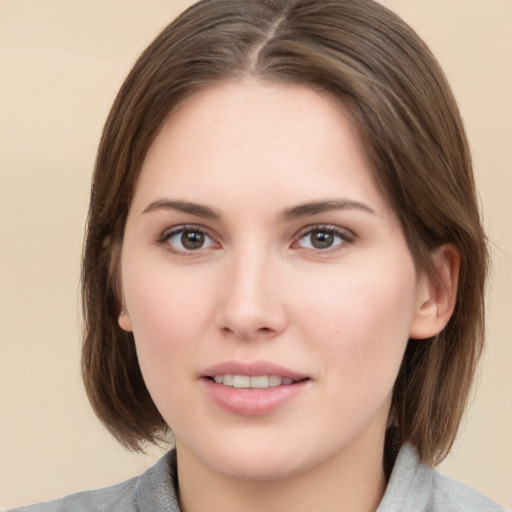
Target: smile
256, 382
255, 395
254, 388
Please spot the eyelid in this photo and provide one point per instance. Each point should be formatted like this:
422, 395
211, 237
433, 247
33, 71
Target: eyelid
345, 234
167, 234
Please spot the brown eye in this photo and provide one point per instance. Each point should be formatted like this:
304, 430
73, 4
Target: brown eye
322, 238
192, 240
188, 240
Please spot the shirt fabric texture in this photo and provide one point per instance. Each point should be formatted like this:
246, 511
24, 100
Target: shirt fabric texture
412, 487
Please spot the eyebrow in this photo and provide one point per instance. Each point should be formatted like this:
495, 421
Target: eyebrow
200, 210
292, 213
316, 207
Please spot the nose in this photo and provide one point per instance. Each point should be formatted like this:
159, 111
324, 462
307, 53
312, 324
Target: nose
252, 301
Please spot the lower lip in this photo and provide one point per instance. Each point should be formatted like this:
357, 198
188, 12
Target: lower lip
252, 402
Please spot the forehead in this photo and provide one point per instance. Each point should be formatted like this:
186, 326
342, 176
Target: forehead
278, 139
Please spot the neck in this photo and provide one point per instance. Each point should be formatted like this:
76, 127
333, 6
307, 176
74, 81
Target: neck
352, 481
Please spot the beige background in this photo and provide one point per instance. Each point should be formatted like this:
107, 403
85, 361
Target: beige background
61, 63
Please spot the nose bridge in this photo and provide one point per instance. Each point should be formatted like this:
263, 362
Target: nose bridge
252, 303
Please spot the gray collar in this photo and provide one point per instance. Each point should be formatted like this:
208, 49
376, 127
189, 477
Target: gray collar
412, 487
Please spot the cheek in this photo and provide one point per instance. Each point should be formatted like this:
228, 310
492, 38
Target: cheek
360, 323
166, 303
169, 311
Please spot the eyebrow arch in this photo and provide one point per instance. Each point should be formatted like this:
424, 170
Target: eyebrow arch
200, 210
313, 208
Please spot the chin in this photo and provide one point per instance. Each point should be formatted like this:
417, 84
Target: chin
260, 461
259, 468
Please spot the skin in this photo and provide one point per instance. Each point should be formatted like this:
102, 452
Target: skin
260, 288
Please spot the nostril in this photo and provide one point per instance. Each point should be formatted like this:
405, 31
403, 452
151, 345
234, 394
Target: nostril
262, 331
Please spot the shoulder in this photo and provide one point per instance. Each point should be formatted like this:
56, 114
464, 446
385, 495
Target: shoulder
415, 486
118, 497
450, 495
153, 490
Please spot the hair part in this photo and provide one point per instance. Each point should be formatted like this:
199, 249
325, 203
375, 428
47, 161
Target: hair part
379, 69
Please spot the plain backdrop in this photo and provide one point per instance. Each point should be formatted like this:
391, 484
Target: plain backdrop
61, 63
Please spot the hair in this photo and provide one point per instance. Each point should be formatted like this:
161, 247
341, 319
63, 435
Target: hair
375, 65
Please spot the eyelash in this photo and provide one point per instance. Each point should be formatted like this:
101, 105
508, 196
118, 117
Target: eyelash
345, 236
181, 230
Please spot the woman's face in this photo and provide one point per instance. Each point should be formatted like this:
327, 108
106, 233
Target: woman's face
267, 282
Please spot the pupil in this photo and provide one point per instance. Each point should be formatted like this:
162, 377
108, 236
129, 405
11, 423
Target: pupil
322, 240
192, 240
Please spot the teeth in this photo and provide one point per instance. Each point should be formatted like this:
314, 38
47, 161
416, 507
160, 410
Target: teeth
241, 381
260, 382
257, 382
274, 380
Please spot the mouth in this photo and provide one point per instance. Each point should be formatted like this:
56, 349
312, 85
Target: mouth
255, 388
253, 382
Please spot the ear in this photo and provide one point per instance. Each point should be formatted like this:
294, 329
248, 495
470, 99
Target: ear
124, 321
437, 294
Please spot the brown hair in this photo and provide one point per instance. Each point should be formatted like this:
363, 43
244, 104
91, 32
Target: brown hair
368, 58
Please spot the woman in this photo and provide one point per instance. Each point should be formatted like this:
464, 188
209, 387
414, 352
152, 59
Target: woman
284, 265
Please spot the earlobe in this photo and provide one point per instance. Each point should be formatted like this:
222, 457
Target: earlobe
124, 321
437, 294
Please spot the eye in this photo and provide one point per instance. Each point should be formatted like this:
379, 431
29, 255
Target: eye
323, 238
188, 239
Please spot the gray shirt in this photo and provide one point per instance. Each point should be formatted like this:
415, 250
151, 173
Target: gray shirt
413, 487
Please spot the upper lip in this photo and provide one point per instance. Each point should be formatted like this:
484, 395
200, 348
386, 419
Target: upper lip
251, 369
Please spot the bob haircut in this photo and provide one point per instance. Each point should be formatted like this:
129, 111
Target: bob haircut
380, 70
